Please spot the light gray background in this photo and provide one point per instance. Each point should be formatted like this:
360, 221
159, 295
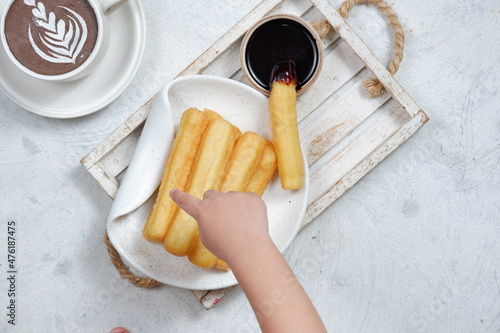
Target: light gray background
413, 247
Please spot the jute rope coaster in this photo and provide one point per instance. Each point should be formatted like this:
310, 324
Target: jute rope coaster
373, 86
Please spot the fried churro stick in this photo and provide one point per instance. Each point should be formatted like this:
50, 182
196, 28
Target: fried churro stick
284, 127
210, 165
265, 170
245, 159
214, 115
211, 114
175, 174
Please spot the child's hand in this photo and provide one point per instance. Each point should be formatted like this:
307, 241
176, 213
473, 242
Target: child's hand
233, 226
230, 224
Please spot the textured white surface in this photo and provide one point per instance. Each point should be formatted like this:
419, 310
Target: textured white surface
413, 247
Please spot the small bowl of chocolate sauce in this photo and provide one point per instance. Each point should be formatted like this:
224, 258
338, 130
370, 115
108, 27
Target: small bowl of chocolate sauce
278, 38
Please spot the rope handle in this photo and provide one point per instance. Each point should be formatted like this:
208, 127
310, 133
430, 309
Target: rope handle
373, 86
124, 271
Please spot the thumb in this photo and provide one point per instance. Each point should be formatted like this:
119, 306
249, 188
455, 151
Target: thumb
187, 202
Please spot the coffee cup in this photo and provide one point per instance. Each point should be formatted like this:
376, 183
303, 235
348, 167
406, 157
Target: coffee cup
278, 38
56, 40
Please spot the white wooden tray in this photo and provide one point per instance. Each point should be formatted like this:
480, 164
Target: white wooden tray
345, 132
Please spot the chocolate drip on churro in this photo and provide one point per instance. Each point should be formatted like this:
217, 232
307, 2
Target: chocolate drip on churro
284, 72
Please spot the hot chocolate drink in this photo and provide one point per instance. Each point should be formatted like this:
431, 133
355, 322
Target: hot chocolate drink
51, 37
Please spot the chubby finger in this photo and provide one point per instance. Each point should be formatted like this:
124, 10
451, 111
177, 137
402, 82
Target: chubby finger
187, 202
119, 330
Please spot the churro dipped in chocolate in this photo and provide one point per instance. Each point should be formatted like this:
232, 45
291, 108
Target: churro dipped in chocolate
284, 126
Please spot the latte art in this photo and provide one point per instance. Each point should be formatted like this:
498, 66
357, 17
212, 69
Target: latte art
51, 37
62, 41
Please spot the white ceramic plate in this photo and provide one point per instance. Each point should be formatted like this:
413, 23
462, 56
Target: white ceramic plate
92, 93
241, 105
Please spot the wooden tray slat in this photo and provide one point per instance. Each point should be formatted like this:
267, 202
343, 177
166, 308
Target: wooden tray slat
337, 120
339, 66
373, 136
341, 185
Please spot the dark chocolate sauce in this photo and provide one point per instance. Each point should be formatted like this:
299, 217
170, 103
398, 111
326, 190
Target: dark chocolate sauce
279, 40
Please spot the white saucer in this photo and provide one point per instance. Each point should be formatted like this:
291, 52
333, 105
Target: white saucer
243, 106
94, 92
